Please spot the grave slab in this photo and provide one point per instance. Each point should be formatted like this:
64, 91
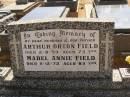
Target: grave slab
45, 12
62, 31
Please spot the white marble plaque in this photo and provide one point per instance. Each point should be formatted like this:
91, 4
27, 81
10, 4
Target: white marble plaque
60, 50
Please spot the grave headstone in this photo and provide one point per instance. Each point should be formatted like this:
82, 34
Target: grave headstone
64, 57
62, 48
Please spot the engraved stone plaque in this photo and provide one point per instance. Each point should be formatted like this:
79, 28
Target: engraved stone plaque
60, 50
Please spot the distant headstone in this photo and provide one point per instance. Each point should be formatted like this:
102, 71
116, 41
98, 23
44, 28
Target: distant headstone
62, 48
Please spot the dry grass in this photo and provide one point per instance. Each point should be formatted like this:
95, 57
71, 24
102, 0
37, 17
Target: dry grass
7, 2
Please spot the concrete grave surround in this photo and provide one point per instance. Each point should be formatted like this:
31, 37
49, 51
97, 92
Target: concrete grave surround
65, 83
6, 20
4, 44
105, 45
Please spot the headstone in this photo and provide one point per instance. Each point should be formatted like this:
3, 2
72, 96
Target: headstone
64, 57
61, 48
